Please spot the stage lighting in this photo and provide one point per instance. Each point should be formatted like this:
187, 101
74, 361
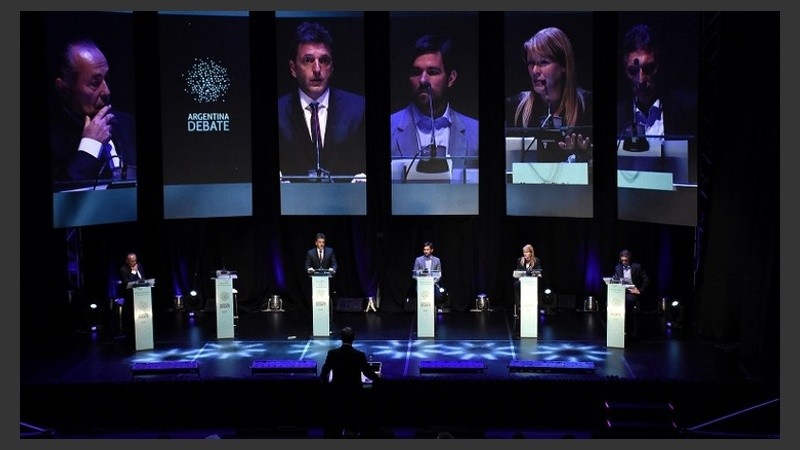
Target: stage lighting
548, 302
674, 314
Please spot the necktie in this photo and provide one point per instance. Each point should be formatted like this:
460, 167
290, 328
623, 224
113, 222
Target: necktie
110, 159
320, 258
424, 123
316, 135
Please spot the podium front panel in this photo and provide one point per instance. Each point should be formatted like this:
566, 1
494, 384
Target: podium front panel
320, 305
426, 313
143, 317
529, 307
224, 303
615, 310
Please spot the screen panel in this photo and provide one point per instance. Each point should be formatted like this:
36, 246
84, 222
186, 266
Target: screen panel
92, 132
205, 108
549, 114
321, 62
657, 117
434, 74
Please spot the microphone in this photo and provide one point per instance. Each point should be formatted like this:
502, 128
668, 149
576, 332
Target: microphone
429, 89
634, 139
636, 80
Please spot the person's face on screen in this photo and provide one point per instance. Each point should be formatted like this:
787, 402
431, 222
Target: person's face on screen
320, 243
427, 250
547, 76
429, 69
312, 67
88, 92
641, 69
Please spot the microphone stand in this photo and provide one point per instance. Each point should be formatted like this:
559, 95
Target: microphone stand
634, 140
106, 162
433, 164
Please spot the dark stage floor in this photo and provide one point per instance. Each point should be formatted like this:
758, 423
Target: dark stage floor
475, 378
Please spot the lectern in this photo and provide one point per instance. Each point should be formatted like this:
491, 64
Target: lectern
143, 313
321, 302
223, 283
426, 308
528, 302
615, 312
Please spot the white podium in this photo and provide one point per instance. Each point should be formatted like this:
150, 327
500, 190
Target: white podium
615, 313
143, 314
223, 284
426, 307
528, 303
321, 303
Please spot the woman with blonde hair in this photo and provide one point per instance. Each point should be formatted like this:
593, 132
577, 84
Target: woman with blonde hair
555, 99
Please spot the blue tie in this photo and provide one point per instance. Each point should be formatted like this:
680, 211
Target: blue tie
424, 123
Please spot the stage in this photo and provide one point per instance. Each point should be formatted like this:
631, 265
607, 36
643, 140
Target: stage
475, 378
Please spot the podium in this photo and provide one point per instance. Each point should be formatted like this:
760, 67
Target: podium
223, 284
321, 303
143, 314
615, 312
528, 303
426, 307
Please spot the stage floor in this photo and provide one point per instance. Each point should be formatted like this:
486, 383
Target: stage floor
469, 349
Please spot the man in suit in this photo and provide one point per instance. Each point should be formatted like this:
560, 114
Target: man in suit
649, 108
631, 272
341, 374
428, 263
130, 272
336, 133
431, 77
321, 257
90, 142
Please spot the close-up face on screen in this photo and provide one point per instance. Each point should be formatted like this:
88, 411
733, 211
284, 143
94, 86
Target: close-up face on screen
549, 146
321, 113
434, 127
93, 154
657, 117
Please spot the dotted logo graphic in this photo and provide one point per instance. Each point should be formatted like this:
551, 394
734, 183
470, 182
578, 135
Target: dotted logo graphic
207, 81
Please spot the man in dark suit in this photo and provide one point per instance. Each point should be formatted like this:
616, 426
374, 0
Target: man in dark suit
335, 131
631, 272
130, 272
321, 257
91, 143
431, 77
649, 107
341, 373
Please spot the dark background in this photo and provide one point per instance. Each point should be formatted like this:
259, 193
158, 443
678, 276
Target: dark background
726, 269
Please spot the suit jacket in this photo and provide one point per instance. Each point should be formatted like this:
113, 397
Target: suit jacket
639, 276
436, 264
70, 165
679, 110
345, 149
126, 275
328, 259
347, 364
463, 137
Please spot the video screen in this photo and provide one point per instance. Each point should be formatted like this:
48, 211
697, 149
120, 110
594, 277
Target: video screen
657, 117
321, 113
205, 113
434, 129
549, 148
93, 150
